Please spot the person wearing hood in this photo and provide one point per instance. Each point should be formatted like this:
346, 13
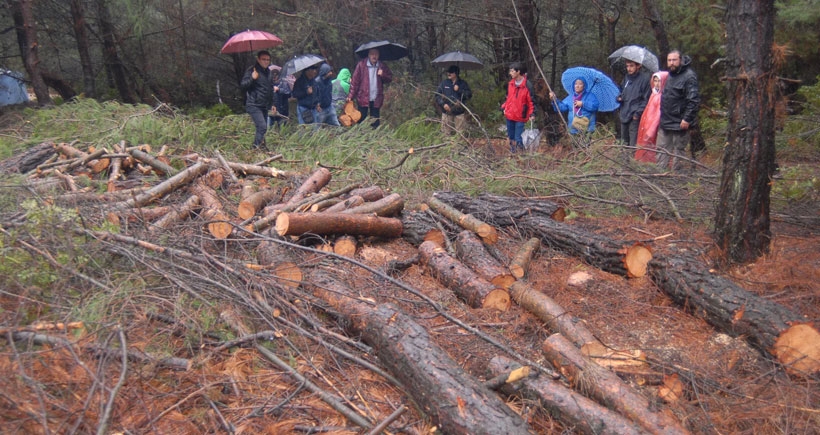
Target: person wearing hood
518, 107
680, 102
367, 85
324, 84
258, 96
340, 89
581, 103
451, 95
307, 96
635, 92
650, 120
281, 94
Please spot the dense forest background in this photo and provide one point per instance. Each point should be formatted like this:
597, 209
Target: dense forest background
168, 50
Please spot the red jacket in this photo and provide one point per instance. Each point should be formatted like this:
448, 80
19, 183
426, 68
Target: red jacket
518, 107
360, 84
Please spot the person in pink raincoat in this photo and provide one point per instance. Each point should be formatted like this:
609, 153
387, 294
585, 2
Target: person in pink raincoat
650, 120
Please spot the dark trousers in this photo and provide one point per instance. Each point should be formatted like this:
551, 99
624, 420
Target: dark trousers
374, 113
259, 115
629, 132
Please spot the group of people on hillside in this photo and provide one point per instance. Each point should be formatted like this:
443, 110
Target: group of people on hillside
656, 111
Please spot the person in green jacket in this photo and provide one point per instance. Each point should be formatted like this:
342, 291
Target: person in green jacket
341, 87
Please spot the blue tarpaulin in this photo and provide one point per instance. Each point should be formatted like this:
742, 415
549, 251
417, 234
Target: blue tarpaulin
12, 88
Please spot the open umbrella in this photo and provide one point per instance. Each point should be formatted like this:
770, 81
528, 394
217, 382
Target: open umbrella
387, 50
250, 40
597, 82
459, 59
299, 63
636, 54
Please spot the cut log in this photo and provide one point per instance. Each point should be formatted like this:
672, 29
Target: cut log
416, 227
607, 388
769, 326
390, 205
28, 160
219, 223
468, 286
296, 224
353, 201
160, 167
486, 231
115, 170
257, 201
471, 251
369, 194
522, 258
345, 246
165, 187
279, 261
246, 169
248, 189
306, 203
455, 401
225, 166
325, 204
176, 214
574, 410
554, 315
502, 211
317, 180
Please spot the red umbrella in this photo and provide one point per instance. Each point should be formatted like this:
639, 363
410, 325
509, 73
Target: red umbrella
250, 40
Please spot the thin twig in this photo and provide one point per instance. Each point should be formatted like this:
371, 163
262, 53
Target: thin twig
103, 426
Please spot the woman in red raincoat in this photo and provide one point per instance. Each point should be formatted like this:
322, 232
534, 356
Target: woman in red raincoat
648, 128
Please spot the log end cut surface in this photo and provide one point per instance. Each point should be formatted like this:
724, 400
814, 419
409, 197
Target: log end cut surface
798, 348
498, 299
636, 259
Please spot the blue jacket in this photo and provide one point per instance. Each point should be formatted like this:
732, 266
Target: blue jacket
303, 98
324, 86
589, 109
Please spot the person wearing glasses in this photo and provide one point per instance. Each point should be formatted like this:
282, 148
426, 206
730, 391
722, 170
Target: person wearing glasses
258, 96
451, 95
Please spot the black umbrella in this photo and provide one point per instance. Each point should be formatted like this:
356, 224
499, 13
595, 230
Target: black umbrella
299, 63
459, 59
387, 50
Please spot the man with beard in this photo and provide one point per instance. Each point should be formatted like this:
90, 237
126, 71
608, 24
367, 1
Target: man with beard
679, 109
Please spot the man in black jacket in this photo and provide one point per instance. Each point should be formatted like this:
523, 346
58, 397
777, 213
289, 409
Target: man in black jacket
258, 96
635, 93
451, 95
679, 110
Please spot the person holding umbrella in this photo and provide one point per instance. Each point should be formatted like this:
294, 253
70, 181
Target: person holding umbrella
582, 106
635, 93
518, 107
367, 85
450, 96
258, 96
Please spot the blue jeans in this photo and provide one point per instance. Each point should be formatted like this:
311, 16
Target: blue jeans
300, 110
514, 131
374, 112
259, 115
328, 116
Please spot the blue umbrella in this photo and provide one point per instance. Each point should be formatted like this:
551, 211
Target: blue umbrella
597, 82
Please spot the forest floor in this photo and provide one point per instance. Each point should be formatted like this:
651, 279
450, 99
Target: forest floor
728, 386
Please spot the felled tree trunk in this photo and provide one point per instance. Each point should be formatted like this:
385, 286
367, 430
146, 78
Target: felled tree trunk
551, 313
218, 225
769, 326
420, 226
370, 193
486, 231
176, 215
279, 261
353, 201
522, 258
471, 288
456, 402
470, 250
573, 409
607, 388
294, 224
502, 211
160, 167
166, 187
255, 202
390, 205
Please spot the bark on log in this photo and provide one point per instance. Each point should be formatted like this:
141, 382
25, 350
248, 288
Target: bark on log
95, 165
159, 167
295, 224
390, 205
253, 203
607, 388
522, 258
769, 326
574, 410
313, 184
502, 211
115, 170
353, 201
165, 187
456, 402
325, 204
417, 225
471, 251
469, 287
225, 166
219, 223
307, 203
551, 313
27, 160
369, 194
175, 215
486, 231
278, 260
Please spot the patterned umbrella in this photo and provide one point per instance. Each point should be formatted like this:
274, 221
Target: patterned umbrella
597, 82
387, 50
250, 40
636, 54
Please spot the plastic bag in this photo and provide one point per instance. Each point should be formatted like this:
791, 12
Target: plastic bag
530, 138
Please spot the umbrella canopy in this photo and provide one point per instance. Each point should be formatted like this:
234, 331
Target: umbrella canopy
300, 63
387, 50
636, 54
597, 82
459, 59
250, 40
273, 67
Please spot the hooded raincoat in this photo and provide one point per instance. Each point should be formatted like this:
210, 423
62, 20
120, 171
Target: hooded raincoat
589, 108
341, 87
651, 119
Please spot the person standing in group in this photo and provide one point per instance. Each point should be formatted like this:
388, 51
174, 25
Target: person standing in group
307, 96
518, 107
650, 120
582, 108
324, 84
340, 90
258, 96
635, 92
367, 85
281, 94
680, 102
451, 95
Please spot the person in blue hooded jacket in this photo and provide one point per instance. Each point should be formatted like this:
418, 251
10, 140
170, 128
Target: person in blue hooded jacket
324, 84
581, 102
307, 96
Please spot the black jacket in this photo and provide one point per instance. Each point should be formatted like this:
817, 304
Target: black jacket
446, 95
258, 92
634, 96
681, 98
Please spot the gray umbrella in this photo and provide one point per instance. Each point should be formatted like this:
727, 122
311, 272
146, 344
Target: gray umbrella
636, 54
387, 50
299, 63
459, 59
